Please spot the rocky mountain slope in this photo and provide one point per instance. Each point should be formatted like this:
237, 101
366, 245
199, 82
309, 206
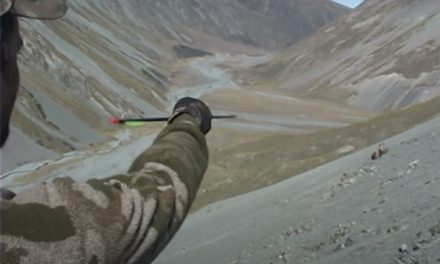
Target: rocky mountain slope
384, 55
254, 163
109, 57
260, 23
246, 150
299, 109
352, 210
78, 71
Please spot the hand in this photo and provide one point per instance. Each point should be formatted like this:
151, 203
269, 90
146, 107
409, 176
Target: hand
6, 194
196, 109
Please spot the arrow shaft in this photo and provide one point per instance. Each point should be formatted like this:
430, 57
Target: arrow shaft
164, 119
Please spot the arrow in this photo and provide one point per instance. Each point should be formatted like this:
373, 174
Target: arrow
141, 121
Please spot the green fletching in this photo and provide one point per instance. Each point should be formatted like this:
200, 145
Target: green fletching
134, 123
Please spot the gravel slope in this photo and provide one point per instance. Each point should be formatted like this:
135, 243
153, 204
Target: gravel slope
352, 210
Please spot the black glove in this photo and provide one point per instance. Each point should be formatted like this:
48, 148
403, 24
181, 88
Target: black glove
196, 109
6, 194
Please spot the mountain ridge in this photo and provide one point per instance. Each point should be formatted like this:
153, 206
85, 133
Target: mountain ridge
111, 57
261, 23
382, 55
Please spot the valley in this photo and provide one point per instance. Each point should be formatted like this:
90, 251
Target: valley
315, 87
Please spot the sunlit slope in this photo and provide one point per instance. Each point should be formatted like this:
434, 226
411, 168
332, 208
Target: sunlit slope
263, 161
109, 57
351, 210
383, 55
295, 112
78, 71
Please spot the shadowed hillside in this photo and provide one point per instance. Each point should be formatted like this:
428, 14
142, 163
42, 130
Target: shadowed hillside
260, 23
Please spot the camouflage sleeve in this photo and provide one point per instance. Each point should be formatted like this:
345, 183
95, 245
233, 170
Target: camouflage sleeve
122, 219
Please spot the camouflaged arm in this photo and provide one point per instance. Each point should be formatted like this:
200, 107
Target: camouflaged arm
167, 176
181, 147
122, 219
